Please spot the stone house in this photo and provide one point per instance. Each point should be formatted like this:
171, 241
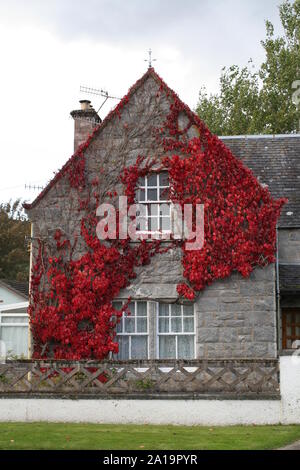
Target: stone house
237, 317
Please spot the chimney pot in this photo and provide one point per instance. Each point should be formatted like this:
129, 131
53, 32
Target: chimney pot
85, 105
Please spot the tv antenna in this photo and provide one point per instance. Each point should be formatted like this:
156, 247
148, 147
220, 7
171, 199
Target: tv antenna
150, 60
98, 92
34, 187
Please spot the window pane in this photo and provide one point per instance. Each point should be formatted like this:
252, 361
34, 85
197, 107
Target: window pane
185, 347
163, 326
141, 224
152, 180
141, 325
165, 223
167, 347
129, 324
141, 308
153, 209
153, 224
164, 178
141, 181
141, 195
188, 325
15, 339
152, 194
131, 308
176, 310
139, 347
119, 326
164, 209
188, 310
176, 326
123, 353
164, 310
164, 194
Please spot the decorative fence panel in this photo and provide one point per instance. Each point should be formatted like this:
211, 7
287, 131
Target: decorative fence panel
151, 378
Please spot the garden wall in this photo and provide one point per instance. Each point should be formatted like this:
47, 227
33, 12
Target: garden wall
198, 411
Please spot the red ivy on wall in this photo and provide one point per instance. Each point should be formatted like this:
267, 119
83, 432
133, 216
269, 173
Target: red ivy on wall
71, 310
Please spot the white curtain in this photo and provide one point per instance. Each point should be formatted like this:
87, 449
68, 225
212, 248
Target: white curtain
167, 347
185, 346
15, 339
139, 347
123, 353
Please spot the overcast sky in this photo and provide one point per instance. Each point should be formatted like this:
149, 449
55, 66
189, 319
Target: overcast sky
51, 47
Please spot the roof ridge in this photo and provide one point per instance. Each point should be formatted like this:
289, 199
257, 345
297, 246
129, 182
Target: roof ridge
258, 136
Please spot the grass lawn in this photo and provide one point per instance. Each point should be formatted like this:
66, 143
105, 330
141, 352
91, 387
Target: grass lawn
134, 437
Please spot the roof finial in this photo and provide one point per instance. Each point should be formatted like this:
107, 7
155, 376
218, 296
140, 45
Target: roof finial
150, 60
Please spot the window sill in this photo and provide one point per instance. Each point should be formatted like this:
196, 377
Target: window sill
154, 236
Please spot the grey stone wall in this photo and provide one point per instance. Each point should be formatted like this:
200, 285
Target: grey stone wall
235, 318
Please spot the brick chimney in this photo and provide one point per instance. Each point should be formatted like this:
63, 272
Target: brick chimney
85, 120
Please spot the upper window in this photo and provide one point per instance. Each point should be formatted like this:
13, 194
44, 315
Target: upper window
153, 194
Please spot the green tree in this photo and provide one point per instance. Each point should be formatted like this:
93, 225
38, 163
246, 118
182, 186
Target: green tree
251, 102
236, 109
14, 256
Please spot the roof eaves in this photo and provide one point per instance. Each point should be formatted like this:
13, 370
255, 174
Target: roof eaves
258, 136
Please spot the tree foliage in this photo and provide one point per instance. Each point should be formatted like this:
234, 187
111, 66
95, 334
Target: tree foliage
14, 256
254, 102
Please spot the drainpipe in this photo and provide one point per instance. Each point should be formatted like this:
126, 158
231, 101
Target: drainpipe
277, 293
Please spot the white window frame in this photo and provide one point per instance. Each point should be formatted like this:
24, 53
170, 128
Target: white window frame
13, 313
158, 202
135, 333
171, 333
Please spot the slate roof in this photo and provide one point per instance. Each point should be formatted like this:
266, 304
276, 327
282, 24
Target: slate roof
21, 288
275, 161
289, 277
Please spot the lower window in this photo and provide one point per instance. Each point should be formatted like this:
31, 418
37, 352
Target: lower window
132, 331
14, 334
176, 331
